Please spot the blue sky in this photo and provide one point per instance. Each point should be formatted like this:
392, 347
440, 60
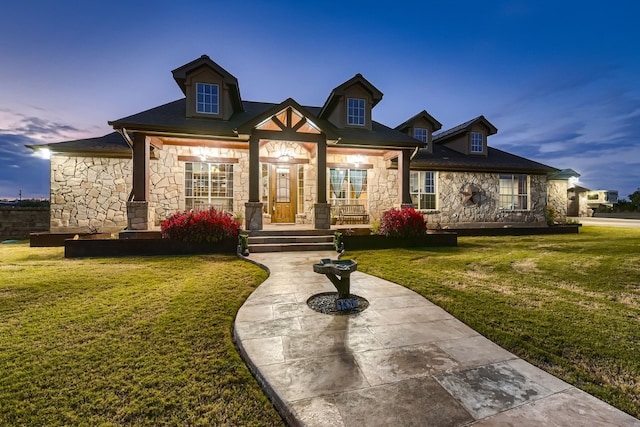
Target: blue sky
559, 79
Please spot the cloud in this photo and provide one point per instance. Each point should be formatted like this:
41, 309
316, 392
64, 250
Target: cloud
37, 129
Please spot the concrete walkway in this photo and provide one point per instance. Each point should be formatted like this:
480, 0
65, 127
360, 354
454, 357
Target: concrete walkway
401, 362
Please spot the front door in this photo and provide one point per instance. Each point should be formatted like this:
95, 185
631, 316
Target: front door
283, 193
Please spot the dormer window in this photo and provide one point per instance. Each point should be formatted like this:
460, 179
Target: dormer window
477, 142
355, 111
421, 134
207, 98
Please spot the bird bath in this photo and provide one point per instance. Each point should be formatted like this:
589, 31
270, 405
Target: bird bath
339, 273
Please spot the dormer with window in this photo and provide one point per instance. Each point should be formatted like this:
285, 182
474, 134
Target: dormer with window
469, 138
349, 105
210, 90
421, 127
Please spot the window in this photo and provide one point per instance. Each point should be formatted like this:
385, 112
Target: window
207, 98
421, 134
514, 192
348, 186
208, 185
355, 111
422, 186
477, 142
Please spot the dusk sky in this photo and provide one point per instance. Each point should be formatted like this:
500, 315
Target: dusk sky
559, 79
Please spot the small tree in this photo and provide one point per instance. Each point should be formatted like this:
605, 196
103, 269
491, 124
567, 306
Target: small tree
635, 200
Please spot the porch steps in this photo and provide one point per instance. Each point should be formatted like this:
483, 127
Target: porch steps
290, 240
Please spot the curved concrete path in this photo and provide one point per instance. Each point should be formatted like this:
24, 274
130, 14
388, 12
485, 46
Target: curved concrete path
403, 361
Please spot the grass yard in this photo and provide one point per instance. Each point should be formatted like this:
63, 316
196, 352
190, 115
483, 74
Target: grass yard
569, 304
127, 341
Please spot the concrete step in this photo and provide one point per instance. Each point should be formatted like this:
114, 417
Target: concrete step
289, 239
311, 232
289, 247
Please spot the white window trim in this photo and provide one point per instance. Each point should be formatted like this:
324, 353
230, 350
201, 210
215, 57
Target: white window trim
217, 103
471, 147
528, 208
435, 190
426, 134
211, 200
364, 112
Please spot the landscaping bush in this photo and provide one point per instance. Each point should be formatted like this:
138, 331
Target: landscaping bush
405, 222
208, 226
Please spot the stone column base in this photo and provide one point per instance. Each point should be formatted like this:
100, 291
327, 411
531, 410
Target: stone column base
253, 215
322, 216
138, 215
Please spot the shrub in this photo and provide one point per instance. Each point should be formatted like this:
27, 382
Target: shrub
203, 226
405, 222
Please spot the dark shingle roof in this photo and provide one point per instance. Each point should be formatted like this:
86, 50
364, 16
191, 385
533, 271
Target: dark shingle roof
171, 117
444, 158
421, 115
464, 127
111, 144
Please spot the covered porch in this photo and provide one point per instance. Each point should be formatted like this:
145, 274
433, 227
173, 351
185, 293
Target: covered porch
279, 169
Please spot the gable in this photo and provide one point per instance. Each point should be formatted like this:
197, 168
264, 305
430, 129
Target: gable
204, 70
289, 118
335, 107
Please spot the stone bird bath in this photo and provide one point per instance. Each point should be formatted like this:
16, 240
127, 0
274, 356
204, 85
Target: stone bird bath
338, 272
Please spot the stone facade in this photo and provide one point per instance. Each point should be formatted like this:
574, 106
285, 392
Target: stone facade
89, 193
453, 212
557, 198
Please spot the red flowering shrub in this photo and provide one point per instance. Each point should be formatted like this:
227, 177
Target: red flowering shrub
405, 222
203, 226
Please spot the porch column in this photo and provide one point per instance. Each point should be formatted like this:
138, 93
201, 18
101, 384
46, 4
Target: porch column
253, 208
138, 208
322, 209
404, 169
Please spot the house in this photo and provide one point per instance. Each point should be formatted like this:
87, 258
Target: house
582, 201
287, 163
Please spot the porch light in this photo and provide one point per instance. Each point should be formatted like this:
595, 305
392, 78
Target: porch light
205, 153
356, 160
285, 156
43, 153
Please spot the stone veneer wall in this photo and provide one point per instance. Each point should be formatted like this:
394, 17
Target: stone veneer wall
89, 193
557, 198
452, 212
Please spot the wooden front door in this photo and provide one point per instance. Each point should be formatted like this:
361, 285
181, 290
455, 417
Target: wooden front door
283, 193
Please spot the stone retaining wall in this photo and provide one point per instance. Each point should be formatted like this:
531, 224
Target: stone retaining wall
17, 222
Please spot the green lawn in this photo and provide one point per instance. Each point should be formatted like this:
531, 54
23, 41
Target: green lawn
569, 304
147, 341
124, 341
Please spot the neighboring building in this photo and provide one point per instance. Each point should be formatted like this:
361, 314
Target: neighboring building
288, 163
582, 201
